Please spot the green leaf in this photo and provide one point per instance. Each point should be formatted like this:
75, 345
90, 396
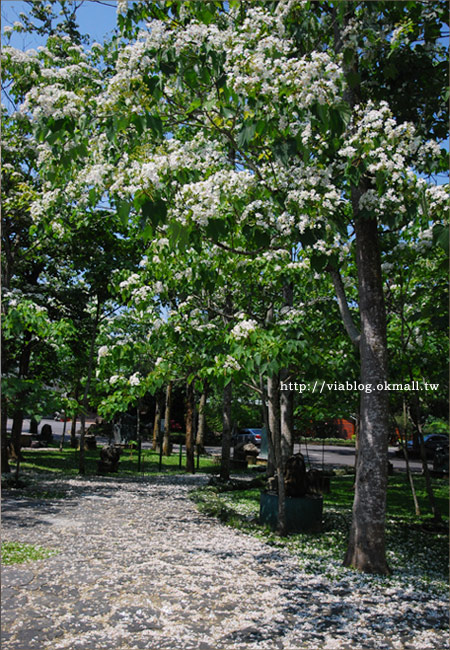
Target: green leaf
178, 233
123, 210
154, 123
154, 211
441, 236
216, 229
246, 134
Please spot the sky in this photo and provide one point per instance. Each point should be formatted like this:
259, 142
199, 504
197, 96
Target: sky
94, 18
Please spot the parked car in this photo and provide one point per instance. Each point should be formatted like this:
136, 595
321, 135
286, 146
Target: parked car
431, 441
247, 435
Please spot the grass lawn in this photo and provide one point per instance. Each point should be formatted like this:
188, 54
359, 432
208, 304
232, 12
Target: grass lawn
66, 462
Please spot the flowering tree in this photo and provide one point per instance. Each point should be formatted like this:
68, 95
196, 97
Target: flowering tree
267, 132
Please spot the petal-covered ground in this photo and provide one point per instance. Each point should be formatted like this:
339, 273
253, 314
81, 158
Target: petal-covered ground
139, 567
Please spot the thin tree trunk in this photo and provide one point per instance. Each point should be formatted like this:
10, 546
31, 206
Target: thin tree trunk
287, 396
82, 461
190, 406
6, 469
73, 430
61, 444
405, 454
414, 415
138, 433
157, 420
18, 414
286, 418
273, 393
166, 440
270, 470
366, 547
226, 432
200, 440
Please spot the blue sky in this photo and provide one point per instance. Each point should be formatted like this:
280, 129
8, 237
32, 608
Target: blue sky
94, 18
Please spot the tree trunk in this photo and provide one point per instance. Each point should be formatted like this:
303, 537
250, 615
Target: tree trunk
138, 433
287, 396
200, 440
414, 415
226, 432
190, 406
73, 427
273, 394
270, 470
366, 547
82, 463
157, 420
61, 444
4, 438
73, 430
405, 454
166, 439
286, 418
18, 414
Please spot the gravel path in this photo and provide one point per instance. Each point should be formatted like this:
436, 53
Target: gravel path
139, 567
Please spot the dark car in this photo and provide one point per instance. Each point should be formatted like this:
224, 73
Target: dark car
247, 435
431, 441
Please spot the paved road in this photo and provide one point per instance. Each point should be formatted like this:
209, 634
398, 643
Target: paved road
318, 454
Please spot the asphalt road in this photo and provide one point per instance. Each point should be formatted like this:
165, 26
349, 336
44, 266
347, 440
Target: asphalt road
327, 454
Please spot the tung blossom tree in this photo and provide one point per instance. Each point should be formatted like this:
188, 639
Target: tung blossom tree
266, 131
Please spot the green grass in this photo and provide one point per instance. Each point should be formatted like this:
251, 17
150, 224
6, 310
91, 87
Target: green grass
67, 462
17, 553
414, 552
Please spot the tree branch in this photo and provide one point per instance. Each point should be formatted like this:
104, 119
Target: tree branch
349, 325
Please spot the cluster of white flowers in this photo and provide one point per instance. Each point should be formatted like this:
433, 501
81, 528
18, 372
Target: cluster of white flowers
52, 101
122, 6
229, 363
135, 379
134, 278
243, 328
44, 204
201, 201
103, 351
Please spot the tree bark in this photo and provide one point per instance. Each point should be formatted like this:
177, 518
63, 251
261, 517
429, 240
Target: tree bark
405, 454
157, 420
286, 418
200, 439
190, 406
270, 471
273, 394
18, 414
415, 418
366, 546
166, 439
6, 469
82, 461
226, 432
344, 310
73, 430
